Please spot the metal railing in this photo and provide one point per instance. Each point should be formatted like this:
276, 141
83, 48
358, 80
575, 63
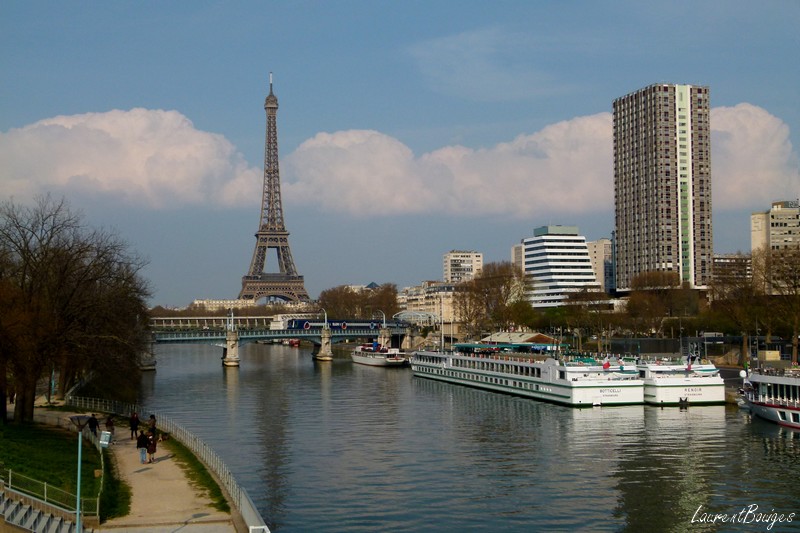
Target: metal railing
60, 501
203, 451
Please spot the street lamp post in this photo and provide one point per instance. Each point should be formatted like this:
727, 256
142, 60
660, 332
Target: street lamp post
384, 317
325, 323
80, 422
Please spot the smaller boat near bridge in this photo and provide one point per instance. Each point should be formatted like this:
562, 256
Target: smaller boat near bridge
377, 355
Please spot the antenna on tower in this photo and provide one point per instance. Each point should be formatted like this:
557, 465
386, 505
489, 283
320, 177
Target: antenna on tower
270, 82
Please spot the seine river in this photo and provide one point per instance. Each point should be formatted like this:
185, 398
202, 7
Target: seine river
341, 447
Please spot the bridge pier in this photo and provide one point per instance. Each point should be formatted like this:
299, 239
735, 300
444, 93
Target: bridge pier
324, 353
385, 337
230, 353
408, 341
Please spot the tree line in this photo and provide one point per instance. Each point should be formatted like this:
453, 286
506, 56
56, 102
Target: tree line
72, 305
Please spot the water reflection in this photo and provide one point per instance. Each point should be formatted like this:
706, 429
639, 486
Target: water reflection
332, 446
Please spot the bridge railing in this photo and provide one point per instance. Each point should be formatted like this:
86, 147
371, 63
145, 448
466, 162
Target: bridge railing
203, 451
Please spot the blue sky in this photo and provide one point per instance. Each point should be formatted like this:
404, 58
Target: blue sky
406, 129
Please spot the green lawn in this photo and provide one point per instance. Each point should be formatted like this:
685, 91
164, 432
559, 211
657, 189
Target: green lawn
50, 454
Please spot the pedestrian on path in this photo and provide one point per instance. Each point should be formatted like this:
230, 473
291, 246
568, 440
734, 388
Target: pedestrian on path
110, 426
134, 424
141, 445
151, 447
93, 423
151, 425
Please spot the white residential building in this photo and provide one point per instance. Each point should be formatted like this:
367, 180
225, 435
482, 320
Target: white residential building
432, 297
602, 262
461, 265
557, 263
777, 228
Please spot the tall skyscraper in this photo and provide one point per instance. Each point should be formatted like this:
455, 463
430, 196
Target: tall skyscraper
662, 184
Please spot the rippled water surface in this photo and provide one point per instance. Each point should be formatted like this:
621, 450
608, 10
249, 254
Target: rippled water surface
342, 447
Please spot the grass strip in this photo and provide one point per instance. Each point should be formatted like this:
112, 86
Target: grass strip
199, 476
116, 497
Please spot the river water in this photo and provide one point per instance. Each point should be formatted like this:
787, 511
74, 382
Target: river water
342, 447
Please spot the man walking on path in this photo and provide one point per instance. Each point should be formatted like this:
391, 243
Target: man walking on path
134, 425
93, 423
141, 445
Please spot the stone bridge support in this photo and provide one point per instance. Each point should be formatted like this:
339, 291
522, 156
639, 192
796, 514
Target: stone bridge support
409, 341
230, 353
385, 337
324, 353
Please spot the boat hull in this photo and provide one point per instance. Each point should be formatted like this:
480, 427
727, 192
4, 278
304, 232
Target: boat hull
784, 415
573, 390
684, 391
378, 360
774, 395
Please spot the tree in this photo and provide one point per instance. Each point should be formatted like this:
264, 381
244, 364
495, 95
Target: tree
487, 301
784, 282
344, 302
740, 297
73, 302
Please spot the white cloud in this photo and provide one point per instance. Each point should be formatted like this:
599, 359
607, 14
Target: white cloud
157, 159
142, 157
565, 167
752, 159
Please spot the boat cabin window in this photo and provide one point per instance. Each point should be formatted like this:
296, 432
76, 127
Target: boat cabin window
641, 373
562, 374
782, 414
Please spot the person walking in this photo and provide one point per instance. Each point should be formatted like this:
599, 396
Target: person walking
93, 423
151, 425
141, 445
110, 426
134, 424
151, 447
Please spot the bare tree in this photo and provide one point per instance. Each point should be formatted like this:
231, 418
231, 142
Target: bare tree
75, 302
488, 299
784, 283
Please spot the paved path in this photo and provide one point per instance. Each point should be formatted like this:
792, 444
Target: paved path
162, 499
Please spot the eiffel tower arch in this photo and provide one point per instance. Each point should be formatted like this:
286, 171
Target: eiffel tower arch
286, 284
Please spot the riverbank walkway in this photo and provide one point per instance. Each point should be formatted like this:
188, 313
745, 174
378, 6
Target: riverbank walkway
163, 499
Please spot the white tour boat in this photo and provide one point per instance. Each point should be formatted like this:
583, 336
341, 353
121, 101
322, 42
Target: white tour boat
582, 383
369, 354
681, 383
774, 394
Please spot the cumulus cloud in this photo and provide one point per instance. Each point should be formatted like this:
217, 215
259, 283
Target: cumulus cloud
564, 167
141, 157
752, 159
158, 159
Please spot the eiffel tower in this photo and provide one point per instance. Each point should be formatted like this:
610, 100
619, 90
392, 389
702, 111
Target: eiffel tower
286, 285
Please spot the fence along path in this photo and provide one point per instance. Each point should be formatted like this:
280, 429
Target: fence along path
156, 485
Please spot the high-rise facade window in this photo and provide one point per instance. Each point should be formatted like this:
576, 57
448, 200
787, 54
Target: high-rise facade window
662, 184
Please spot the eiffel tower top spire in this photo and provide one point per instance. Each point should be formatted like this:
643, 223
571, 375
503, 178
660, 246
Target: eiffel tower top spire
272, 100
